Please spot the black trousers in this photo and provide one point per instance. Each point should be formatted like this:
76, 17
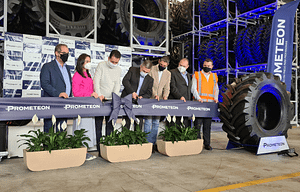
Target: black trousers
128, 122
108, 129
206, 128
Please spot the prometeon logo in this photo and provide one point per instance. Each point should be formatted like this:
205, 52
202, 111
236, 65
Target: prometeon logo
68, 106
27, 108
273, 144
163, 107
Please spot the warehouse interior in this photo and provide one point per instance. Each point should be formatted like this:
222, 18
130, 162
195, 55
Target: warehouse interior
235, 34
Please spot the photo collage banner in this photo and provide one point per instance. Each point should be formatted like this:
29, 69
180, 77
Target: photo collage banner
24, 56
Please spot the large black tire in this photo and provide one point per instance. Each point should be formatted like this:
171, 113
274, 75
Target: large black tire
255, 106
148, 32
13, 7
68, 20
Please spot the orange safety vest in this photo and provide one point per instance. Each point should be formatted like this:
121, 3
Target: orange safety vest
206, 89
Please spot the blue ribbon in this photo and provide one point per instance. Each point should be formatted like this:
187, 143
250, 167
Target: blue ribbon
45, 107
118, 103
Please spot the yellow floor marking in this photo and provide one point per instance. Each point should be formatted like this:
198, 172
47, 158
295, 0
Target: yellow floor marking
249, 183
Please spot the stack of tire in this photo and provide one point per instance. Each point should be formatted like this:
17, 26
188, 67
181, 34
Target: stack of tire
246, 5
255, 106
112, 19
212, 11
252, 44
175, 55
179, 51
182, 16
215, 49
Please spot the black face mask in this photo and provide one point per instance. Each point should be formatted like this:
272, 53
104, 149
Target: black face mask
64, 57
206, 69
160, 67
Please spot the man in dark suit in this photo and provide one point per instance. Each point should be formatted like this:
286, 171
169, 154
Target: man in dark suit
138, 83
56, 80
180, 86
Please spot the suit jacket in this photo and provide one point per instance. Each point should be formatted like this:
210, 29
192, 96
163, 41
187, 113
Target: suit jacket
179, 88
131, 83
52, 80
160, 88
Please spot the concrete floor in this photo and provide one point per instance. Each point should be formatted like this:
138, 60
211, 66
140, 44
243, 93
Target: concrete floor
208, 170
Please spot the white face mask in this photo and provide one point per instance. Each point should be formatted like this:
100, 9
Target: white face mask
88, 66
181, 69
111, 65
143, 74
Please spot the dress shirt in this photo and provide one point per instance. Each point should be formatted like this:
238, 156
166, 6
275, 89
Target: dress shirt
140, 84
159, 75
64, 72
185, 77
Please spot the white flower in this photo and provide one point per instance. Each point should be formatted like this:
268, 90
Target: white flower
193, 118
53, 120
58, 126
131, 121
64, 125
169, 118
35, 119
114, 123
174, 119
181, 120
137, 121
123, 123
79, 120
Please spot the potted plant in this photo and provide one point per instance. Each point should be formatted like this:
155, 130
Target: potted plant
52, 150
179, 140
125, 145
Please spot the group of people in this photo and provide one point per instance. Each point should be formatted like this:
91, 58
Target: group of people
147, 81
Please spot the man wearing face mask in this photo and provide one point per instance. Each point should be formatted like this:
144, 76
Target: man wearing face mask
138, 83
107, 81
56, 80
181, 84
160, 90
205, 89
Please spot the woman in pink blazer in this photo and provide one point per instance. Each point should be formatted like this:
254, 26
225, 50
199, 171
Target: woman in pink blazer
82, 86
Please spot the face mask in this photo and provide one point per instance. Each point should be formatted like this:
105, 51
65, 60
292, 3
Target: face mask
160, 67
206, 69
88, 66
181, 69
143, 74
64, 57
111, 65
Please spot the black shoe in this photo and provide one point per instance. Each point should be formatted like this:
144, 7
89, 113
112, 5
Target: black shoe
208, 147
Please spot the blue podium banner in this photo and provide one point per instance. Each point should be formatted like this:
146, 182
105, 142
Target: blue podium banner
280, 57
45, 107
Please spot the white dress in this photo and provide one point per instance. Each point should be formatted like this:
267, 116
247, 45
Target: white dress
87, 123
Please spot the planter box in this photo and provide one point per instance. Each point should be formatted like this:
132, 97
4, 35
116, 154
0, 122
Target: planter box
190, 147
121, 153
57, 159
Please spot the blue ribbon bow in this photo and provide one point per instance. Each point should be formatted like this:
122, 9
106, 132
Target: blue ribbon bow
118, 102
